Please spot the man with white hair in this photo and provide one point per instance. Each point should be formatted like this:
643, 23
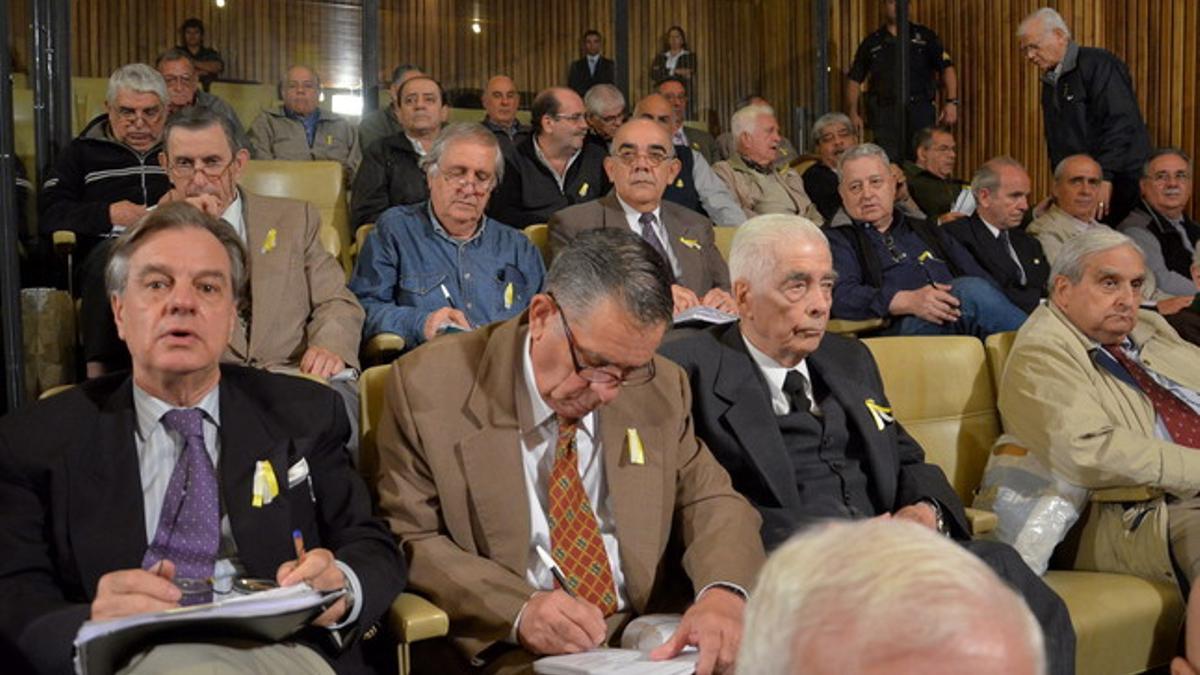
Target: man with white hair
758, 186
1109, 396
1088, 107
727, 141
103, 183
780, 404
605, 113
882, 596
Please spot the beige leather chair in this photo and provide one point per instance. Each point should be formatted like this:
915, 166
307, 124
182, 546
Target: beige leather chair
941, 390
247, 100
318, 182
412, 617
89, 94
723, 237
539, 235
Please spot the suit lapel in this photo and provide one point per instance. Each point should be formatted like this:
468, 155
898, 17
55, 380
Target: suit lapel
677, 231
106, 516
750, 417
261, 533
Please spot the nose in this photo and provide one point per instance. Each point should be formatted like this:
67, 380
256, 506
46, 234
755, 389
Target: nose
821, 303
606, 392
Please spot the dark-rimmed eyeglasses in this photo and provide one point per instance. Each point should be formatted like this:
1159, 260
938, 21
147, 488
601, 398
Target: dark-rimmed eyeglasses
186, 168
627, 377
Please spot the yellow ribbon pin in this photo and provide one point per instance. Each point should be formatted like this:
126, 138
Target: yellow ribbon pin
637, 454
690, 243
266, 488
508, 296
583, 189
269, 242
679, 183
880, 413
329, 139
926, 255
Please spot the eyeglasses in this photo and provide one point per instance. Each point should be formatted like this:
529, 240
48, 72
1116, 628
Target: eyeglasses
185, 168
131, 114
653, 157
628, 377
613, 119
173, 80
574, 119
462, 178
1167, 177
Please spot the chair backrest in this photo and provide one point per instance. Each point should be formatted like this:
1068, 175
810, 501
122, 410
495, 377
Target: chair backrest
89, 94
24, 139
724, 239
539, 234
998, 346
371, 386
941, 391
318, 182
330, 241
247, 100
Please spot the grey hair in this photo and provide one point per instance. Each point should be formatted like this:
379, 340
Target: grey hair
1165, 152
862, 151
463, 132
987, 176
885, 586
137, 77
1076, 251
612, 263
1061, 167
745, 121
828, 120
315, 74
1049, 19
177, 216
752, 256
601, 97
197, 118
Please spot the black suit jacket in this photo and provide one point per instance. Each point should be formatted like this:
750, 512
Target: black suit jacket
580, 78
732, 411
993, 257
72, 508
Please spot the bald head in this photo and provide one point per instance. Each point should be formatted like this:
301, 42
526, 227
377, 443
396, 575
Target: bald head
656, 107
642, 163
501, 100
1076, 188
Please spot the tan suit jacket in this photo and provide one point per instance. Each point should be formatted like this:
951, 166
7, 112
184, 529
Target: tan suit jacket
451, 484
298, 291
701, 267
1098, 432
1055, 227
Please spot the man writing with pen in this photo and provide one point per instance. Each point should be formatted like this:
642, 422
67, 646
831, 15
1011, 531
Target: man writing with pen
905, 270
443, 266
143, 491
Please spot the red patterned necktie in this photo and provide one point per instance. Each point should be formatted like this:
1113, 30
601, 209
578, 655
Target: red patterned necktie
1181, 421
575, 540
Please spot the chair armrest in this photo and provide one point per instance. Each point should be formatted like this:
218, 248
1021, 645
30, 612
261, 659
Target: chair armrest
415, 618
848, 327
980, 521
382, 348
1125, 494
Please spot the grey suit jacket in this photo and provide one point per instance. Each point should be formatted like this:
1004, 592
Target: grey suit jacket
691, 238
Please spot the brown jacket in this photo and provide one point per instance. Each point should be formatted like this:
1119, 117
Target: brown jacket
691, 238
274, 135
298, 291
451, 484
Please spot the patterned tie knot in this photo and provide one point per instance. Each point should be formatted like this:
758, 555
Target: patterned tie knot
187, 422
566, 435
647, 218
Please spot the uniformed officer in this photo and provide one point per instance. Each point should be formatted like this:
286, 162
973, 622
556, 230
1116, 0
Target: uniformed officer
928, 62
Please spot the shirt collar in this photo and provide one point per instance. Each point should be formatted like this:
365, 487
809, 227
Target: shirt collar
540, 412
416, 145
775, 372
679, 137
991, 228
630, 211
149, 409
233, 215
537, 149
307, 120
441, 231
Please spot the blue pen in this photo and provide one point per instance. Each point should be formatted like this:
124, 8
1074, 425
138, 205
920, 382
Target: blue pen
446, 294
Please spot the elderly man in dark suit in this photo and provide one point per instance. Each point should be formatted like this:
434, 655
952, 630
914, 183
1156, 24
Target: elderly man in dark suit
641, 165
994, 237
184, 470
798, 417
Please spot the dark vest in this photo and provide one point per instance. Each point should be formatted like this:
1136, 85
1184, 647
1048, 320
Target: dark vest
682, 190
1177, 258
829, 474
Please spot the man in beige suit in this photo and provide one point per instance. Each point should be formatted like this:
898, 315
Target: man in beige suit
1076, 191
1109, 396
493, 442
641, 165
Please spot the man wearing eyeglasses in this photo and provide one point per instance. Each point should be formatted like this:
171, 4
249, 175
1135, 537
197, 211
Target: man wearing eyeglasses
1160, 225
103, 183
553, 168
440, 265
904, 270
183, 87
561, 430
641, 165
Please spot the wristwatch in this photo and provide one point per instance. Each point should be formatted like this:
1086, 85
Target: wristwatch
940, 517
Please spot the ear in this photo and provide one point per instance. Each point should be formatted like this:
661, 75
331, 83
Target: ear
162, 161
444, 113
541, 311
239, 163
741, 296
673, 172
118, 307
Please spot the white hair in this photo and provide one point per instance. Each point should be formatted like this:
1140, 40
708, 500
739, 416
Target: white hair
136, 77
745, 121
862, 151
1076, 251
870, 591
753, 253
1048, 19
603, 97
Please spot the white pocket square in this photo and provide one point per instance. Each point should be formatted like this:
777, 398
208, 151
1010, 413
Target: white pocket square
297, 473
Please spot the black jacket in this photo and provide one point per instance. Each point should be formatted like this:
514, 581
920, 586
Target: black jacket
994, 257
529, 192
581, 79
91, 174
1092, 109
389, 175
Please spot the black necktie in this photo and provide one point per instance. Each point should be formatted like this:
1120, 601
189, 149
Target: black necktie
793, 386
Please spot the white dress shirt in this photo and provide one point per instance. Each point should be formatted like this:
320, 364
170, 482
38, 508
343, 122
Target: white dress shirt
632, 216
234, 216
776, 374
592, 60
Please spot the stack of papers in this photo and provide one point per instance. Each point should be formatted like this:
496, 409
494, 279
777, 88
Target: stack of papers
615, 662
703, 314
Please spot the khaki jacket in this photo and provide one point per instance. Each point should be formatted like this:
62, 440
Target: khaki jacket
452, 486
1054, 227
1097, 432
298, 291
274, 135
778, 191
